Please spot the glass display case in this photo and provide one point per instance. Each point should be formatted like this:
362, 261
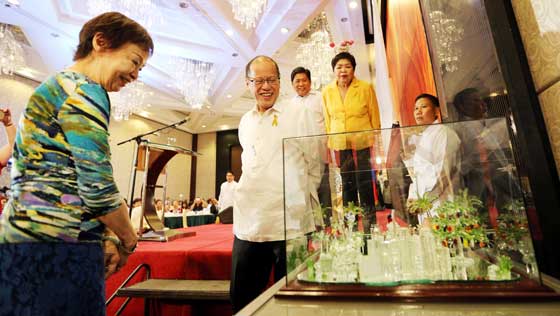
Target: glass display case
407, 212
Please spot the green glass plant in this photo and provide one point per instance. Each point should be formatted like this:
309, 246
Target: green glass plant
457, 220
421, 205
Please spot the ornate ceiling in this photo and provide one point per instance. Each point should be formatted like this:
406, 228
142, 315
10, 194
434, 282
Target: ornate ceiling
203, 30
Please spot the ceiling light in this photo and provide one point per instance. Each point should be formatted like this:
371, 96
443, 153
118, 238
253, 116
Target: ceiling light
284, 30
343, 20
203, 126
223, 127
314, 53
128, 100
11, 52
145, 12
10, 3
247, 11
193, 78
229, 32
353, 4
228, 96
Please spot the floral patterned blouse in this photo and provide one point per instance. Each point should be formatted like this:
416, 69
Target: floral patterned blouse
62, 179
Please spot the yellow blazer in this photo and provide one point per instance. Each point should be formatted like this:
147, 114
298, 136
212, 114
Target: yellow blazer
358, 112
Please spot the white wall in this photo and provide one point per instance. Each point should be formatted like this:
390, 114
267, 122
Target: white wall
206, 166
178, 168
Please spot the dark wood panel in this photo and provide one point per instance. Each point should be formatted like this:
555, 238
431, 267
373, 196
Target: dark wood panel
526, 290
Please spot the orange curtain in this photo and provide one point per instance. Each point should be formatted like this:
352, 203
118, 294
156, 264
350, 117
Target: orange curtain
410, 68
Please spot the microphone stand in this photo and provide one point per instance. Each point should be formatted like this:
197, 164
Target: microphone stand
138, 139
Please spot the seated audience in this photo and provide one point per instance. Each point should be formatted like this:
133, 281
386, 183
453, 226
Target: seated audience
198, 205
176, 207
159, 208
184, 206
136, 215
212, 206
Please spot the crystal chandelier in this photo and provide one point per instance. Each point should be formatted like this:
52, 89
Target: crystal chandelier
11, 52
144, 12
247, 11
132, 98
315, 53
446, 34
194, 79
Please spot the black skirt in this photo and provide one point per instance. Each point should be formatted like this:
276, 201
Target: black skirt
52, 279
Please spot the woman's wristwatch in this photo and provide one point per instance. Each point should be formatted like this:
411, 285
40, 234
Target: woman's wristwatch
119, 244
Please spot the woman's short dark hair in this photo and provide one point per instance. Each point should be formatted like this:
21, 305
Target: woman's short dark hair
301, 70
344, 55
117, 29
433, 99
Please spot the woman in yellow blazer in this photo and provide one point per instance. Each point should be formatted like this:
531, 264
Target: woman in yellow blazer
350, 105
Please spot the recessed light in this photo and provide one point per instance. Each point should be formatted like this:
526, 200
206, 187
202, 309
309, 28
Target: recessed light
10, 3
284, 30
234, 54
353, 4
203, 126
228, 96
229, 32
344, 20
183, 5
55, 35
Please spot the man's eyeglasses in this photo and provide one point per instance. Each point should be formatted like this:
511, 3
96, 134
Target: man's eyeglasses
260, 81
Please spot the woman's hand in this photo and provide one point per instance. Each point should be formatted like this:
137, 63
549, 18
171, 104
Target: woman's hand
112, 257
116, 252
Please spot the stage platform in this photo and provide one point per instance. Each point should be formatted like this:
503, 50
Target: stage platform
205, 256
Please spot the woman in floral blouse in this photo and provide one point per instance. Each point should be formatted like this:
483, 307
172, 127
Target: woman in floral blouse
65, 208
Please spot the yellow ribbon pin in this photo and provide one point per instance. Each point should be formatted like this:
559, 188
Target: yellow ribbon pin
275, 120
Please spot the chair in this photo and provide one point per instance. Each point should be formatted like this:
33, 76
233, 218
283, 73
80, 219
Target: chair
226, 216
